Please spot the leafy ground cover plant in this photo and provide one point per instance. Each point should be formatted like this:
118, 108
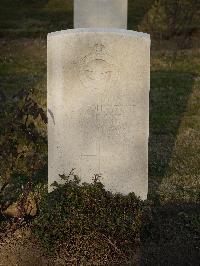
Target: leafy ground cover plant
89, 223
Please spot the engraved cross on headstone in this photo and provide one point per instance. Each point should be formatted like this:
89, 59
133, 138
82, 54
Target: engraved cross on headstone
100, 14
106, 123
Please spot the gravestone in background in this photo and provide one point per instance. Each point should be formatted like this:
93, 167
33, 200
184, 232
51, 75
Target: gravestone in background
98, 106
100, 13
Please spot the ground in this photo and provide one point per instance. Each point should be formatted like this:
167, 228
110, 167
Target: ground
172, 237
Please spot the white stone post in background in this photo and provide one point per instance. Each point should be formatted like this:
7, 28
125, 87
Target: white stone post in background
100, 14
98, 103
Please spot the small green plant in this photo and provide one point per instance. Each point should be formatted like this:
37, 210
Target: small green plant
89, 215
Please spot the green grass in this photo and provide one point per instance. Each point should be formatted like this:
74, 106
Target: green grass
34, 18
22, 64
174, 123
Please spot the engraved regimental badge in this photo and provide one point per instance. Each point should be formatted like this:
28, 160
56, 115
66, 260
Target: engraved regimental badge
97, 70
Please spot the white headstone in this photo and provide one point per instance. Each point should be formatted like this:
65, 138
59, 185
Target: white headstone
98, 107
100, 13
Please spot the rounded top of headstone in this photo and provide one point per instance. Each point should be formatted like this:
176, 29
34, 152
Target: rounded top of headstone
123, 32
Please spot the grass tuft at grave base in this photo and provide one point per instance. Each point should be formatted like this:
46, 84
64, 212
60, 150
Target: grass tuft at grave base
91, 225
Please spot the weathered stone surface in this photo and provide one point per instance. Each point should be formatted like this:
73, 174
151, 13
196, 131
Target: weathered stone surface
98, 113
100, 14
13, 210
18, 210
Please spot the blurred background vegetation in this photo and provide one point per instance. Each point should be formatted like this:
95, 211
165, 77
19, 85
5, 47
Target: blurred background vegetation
161, 18
171, 237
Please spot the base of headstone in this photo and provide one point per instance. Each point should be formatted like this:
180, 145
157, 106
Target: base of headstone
98, 107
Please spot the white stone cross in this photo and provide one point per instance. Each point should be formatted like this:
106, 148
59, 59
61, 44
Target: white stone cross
100, 14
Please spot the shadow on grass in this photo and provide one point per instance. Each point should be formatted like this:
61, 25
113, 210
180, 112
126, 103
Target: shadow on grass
137, 11
169, 94
172, 236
